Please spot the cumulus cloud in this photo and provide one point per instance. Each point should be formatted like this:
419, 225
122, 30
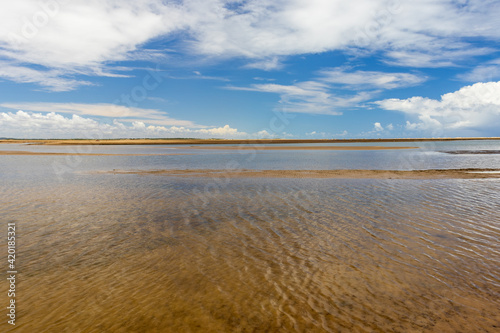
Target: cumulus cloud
221, 131
378, 127
472, 107
62, 38
23, 124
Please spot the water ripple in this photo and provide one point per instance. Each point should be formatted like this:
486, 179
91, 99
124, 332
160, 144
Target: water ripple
155, 254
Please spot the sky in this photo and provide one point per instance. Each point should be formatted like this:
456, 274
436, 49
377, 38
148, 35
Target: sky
302, 69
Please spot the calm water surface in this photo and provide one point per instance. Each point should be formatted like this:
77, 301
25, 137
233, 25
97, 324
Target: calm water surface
149, 253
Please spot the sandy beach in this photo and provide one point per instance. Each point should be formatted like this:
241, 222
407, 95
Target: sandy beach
345, 174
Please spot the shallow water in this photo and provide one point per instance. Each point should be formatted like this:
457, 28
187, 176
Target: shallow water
428, 155
149, 253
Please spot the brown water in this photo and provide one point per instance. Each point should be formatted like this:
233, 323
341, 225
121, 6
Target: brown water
129, 253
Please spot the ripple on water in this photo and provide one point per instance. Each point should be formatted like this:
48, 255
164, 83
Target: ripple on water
155, 254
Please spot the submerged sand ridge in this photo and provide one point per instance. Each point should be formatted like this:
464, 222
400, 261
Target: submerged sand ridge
346, 174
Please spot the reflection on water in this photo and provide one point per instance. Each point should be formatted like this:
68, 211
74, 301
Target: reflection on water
128, 253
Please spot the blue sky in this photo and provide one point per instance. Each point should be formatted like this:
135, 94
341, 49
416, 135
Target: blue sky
249, 69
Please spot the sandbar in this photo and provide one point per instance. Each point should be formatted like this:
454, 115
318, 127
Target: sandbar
345, 173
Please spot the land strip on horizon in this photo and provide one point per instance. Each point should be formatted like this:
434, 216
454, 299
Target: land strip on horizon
219, 141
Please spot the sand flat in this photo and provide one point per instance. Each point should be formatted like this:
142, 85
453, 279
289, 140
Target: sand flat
342, 174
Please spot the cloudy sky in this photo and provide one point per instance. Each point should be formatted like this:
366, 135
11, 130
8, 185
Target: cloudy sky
255, 68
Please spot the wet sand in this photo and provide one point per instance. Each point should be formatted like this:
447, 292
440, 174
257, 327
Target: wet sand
220, 141
345, 174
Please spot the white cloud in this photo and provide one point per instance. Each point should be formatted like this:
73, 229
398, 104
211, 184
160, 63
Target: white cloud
315, 134
371, 79
323, 96
422, 33
84, 36
488, 71
266, 64
104, 110
53, 80
263, 29
341, 134
79, 36
378, 128
224, 131
81, 33
309, 97
264, 134
446, 55
197, 76
470, 108
323, 135
52, 125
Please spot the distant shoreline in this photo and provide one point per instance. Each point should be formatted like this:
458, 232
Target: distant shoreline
63, 142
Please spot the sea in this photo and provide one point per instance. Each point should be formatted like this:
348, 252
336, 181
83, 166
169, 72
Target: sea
99, 251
